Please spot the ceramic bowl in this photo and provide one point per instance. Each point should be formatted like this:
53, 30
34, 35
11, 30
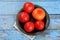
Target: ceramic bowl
21, 25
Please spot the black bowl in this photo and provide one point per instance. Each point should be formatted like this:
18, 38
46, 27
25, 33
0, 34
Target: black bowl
21, 25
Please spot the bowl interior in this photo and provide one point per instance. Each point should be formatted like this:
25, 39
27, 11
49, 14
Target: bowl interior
21, 25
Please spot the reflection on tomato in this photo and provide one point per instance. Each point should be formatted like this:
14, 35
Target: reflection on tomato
28, 7
39, 25
38, 14
29, 26
23, 17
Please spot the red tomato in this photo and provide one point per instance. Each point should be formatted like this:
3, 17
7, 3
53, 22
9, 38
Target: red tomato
28, 7
39, 25
29, 27
38, 14
23, 17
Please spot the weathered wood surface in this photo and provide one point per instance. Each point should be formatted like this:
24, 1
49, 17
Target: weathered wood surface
9, 10
8, 31
14, 7
27, 0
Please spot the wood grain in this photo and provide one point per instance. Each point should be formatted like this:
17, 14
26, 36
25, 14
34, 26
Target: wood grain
27, 0
9, 32
9, 10
8, 21
15, 7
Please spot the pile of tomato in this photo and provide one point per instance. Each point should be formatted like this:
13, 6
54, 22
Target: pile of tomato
37, 13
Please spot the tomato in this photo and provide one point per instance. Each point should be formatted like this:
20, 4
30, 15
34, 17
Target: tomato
39, 25
38, 14
23, 17
28, 7
29, 27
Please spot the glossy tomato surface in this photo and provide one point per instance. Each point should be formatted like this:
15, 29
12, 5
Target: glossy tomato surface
28, 7
29, 27
23, 17
39, 25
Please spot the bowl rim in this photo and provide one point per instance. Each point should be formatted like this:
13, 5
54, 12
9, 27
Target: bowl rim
46, 26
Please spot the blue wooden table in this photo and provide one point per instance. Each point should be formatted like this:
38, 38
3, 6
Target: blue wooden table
9, 10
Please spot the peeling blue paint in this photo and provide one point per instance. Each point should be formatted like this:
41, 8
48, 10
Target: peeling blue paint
12, 7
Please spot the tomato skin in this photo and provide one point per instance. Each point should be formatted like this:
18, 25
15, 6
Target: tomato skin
38, 14
39, 25
23, 17
29, 27
28, 7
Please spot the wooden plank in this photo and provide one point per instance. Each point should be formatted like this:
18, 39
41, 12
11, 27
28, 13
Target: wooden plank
49, 35
15, 35
9, 20
54, 22
12, 35
9, 32
6, 22
9, 10
14, 7
26, 0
